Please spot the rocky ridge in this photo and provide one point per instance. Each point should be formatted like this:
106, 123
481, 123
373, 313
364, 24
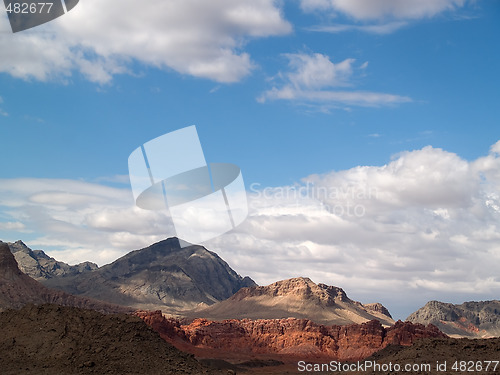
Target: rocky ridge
285, 337
299, 298
39, 266
469, 319
18, 289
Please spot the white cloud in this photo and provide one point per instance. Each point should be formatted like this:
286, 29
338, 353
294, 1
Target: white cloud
100, 39
377, 16
381, 29
423, 226
10, 226
379, 9
312, 76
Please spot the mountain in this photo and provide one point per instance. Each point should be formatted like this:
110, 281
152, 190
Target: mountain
298, 298
39, 266
470, 319
162, 276
18, 289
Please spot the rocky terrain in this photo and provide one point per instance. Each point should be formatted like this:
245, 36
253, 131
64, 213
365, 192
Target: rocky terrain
431, 351
39, 266
297, 298
18, 289
54, 340
470, 319
162, 276
284, 338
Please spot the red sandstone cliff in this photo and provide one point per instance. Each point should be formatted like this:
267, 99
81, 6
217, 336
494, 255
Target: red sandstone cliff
292, 337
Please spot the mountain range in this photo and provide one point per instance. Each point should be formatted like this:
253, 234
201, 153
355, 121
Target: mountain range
194, 282
221, 315
162, 276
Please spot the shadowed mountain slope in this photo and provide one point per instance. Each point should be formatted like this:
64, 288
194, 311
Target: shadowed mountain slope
162, 276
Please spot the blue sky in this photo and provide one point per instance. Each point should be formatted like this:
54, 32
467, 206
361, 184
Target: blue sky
333, 91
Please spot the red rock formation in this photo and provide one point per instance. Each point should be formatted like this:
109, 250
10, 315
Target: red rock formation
292, 337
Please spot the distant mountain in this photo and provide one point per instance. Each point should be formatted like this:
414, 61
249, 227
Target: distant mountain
39, 266
470, 319
18, 289
162, 276
297, 298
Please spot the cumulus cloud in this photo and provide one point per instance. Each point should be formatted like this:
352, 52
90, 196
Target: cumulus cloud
194, 37
314, 78
426, 225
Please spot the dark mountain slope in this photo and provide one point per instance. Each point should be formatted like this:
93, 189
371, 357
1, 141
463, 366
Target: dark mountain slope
162, 276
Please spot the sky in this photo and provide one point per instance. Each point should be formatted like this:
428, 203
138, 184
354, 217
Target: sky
367, 133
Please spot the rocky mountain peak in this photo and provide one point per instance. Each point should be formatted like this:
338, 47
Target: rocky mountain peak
164, 275
299, 298
300, 288
18, 289
39, 266
8, 265
470, 319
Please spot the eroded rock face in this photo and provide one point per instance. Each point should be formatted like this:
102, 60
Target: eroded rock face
295, 337
470, 319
